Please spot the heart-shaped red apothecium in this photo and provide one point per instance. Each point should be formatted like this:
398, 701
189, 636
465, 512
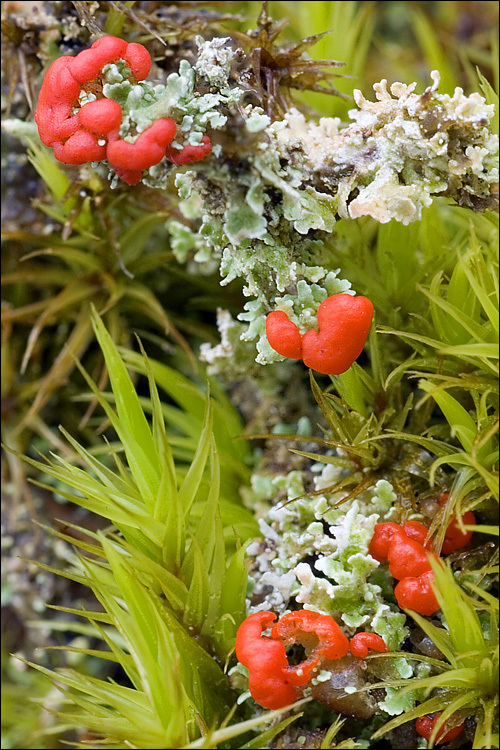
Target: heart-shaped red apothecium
344, 322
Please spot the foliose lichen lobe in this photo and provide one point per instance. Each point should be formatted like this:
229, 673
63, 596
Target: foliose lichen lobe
269, 200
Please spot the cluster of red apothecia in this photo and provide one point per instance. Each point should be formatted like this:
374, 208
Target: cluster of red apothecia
92, 133
343, 322
405, 549
273, 682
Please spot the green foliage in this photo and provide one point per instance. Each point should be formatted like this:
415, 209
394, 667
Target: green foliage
27, 697
448, 320
171, 583
176, 517
103, 256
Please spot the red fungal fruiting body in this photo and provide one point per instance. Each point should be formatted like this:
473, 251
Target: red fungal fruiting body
62, 86
146, 151
383, 535
87, 65
344, 322
81, 137
416, 531
283, 335
408, 562
266, 661
425, 724
79, 148
100, 117
454, 537
130, 176
270, 690
272, 681
249, 639
189, 153
59, 92
416, 593
362, 642
407, 558
332, 643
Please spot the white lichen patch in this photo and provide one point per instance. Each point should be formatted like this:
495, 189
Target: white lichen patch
400, 151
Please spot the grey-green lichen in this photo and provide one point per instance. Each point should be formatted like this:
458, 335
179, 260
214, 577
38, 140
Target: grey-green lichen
400, 151
316, 554
179, 97
269, 200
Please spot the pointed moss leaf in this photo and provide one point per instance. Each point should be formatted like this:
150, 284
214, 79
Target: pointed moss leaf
204, 537
49, 170
459, 419
127, 403
224, 633
198, 596
91, 615
174, 538
236, 518
96, 499
490, 95
167, 490
182, 390
203, 671
235, 586
351, 390
216, 577
145, 473
156, 656
482, 278
227, 424
189, 487
475, 350
168, 482
450, 320
459, 292
464, 625
107, 477
97, 653
139, 541
75, 541
439, 636
124, 700
59, 572
172, 587
111, 637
